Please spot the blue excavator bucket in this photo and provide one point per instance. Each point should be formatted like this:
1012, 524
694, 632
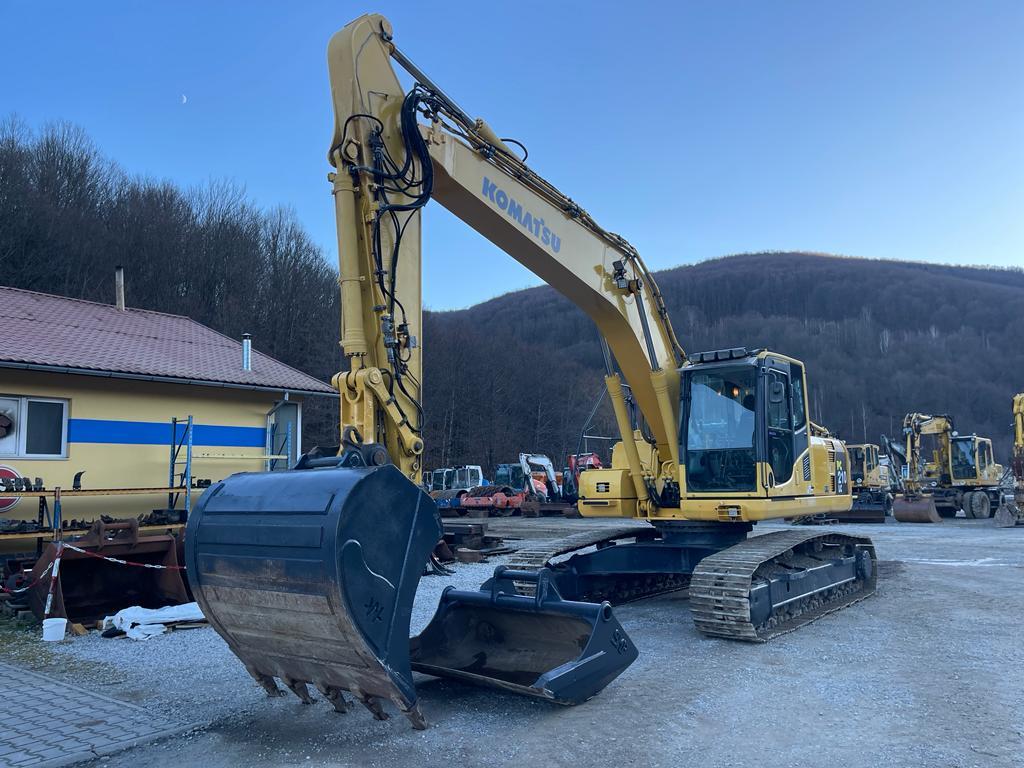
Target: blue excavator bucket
310, 575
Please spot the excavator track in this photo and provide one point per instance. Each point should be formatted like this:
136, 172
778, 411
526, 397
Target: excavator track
540, 555
720, 589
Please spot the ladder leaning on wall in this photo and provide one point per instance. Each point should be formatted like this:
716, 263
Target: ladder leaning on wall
180, 468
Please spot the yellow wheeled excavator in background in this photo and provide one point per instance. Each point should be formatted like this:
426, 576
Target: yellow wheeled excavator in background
945, 472
1011, 509
310, 574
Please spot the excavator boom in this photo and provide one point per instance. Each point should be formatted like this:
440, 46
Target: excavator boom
1010, 512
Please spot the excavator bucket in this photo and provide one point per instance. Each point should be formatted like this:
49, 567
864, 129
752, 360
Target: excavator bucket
538, 645
310, 575
919, 509
1008, 514
89, 586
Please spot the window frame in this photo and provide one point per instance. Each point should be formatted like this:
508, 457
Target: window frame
21, 435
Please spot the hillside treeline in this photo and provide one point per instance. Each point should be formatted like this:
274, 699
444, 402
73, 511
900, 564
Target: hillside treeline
879, 338
69, 216
522, 371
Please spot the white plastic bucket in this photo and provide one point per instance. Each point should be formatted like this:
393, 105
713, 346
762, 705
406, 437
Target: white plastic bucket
54, 629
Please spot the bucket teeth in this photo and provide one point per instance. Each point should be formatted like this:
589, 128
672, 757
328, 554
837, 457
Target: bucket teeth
335, 696
371, 704
266, 681
415, 717
298, 687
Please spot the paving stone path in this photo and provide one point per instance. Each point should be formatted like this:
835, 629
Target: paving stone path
58, 724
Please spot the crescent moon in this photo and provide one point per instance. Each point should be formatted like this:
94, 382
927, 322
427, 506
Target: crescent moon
184, 98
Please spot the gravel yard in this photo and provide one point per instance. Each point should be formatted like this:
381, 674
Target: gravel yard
929, 672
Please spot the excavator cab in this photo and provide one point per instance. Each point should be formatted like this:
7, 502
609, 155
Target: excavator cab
963, 457
741, 411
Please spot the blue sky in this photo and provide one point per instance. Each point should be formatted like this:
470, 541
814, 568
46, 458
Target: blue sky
695, 129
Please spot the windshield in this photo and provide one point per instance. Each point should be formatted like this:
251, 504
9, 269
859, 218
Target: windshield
857, 460
466, 478
964, 457
437, 479
720, 430
509, 474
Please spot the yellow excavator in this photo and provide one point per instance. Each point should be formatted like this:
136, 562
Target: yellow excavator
310, 574
1011, 508
945, 472
872, 481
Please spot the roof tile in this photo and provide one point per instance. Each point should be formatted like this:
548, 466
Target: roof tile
41, 329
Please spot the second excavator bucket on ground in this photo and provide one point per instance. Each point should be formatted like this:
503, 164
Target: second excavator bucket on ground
539, 645
919, 509
310, 576
89, 587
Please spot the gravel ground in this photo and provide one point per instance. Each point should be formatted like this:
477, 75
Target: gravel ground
926, 673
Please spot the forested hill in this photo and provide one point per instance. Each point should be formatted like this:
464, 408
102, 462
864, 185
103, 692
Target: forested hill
880, 338
520, 372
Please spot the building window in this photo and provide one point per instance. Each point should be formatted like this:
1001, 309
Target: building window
33, 427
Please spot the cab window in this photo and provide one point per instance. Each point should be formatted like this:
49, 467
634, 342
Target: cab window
799, 416
780, 426
719, 430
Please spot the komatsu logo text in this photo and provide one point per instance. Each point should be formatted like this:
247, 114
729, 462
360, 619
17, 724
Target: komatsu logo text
525, 219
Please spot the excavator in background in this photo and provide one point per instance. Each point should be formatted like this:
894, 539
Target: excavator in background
310, 574
531, 488
872, 485
945, 472
513, 484
1011, 508
554, 500
577, 463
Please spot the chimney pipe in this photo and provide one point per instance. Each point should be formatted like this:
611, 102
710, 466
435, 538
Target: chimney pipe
247, 351
119, 287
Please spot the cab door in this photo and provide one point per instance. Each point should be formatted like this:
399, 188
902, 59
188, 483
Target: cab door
989, 471
778, 432
786, 430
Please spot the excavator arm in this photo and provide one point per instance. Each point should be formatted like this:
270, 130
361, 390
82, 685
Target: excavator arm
916, 426
393, 150
1011, 507
1018, 441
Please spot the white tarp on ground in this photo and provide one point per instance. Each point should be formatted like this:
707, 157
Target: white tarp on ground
143, 623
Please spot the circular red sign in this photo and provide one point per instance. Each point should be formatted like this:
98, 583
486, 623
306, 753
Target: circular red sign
8, 473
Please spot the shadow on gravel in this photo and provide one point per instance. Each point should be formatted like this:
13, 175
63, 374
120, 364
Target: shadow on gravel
889, 568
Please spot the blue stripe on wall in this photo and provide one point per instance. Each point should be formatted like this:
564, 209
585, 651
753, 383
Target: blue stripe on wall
159, 433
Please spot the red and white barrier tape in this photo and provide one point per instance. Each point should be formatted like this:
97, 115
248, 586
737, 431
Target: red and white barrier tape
98, 556
19, 590
53, 580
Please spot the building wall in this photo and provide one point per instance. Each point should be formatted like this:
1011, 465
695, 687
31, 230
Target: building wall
119, 432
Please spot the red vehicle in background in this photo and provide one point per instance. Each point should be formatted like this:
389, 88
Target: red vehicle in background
531, 488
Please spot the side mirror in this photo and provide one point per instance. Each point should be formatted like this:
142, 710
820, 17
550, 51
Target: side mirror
777, 392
